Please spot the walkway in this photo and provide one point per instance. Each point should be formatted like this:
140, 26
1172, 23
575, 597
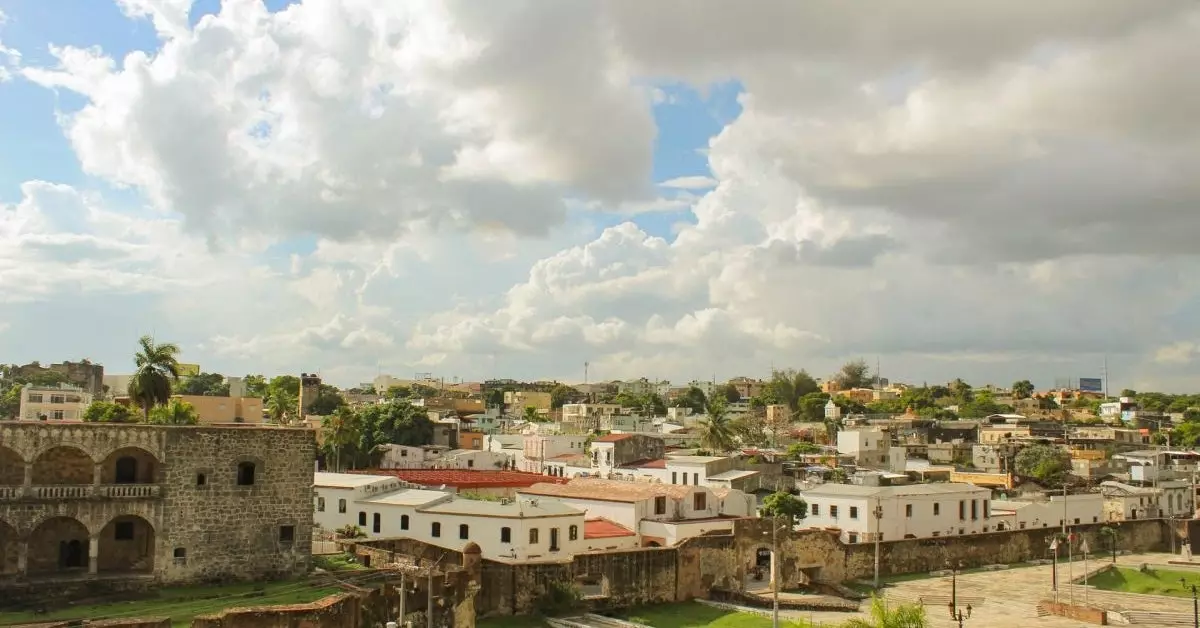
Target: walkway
1010, 596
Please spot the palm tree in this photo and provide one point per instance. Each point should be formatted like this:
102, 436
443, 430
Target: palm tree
898, 616
281, 406
175, 412
340, 430
157, 370
717, 431
531, 414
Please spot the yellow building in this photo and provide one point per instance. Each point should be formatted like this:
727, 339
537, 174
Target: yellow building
225, 409
859, 395
527, 399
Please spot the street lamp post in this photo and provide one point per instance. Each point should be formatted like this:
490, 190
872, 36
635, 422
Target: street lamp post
957, 614
1195, 602
775, 569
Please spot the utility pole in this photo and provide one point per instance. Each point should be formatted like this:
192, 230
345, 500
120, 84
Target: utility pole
403, 596
429, 602
1195, 602
878, 512
775, 572
1066, 535
957, 614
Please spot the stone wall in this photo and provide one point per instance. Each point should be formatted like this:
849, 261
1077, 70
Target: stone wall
228, 530
137, 622
1078, 613
191, 519
335, 611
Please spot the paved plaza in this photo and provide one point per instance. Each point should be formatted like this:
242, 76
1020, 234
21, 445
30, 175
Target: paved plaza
1011, 596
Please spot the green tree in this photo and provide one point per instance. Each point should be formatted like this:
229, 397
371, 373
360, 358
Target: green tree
750, 429
1022, 389
1047, 464
282, 406
1186, 434
256, 386
732, 395
10, 399
784, 504
693, 398
961, 391
424, 391
854, 374
339, 432
885, 615
563, 394
174, 412
157, 371
531, 414
812, 406
796, 450
329, 399
716, 430
210, 384
108, 412
402, 392
789, 386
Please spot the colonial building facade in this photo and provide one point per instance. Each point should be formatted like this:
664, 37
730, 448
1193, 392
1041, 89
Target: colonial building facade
82, 501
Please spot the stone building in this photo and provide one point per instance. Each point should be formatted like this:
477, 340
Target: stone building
104, 504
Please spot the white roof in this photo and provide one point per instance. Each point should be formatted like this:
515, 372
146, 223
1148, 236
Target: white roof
347, 480
830, 489
692, 459
516, 509
407, 497
732, 475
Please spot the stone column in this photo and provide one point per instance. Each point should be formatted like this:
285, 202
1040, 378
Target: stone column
93, 554
27, 485
97, 469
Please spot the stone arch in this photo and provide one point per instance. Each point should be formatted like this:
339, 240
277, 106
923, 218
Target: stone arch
126, 545
12, 467
129, 465
10, 541
63, 464
58, 545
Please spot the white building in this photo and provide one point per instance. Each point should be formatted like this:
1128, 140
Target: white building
541, 447
507, 530
1125, 501
1021, 514
470, 459
511, 445
409, 457
911, 511
868, 446
660, 515
53, 403
587, 416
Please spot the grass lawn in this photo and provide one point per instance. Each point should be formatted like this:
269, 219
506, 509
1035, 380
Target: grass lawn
693, 615
336, 562
181, 604
1153, 581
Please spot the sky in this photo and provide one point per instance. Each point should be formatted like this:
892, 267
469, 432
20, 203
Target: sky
679, 190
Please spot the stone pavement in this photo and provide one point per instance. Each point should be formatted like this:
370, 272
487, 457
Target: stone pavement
1010, 596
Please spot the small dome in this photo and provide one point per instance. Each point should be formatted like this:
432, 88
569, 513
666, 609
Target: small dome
472, 548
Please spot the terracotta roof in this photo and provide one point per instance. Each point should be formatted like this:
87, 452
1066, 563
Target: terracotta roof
609, 490
612, 438
604, 529
461, 478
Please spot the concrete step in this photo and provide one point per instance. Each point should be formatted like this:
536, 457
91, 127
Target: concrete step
1153, 618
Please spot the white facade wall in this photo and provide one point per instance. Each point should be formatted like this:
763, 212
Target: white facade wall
921, 515
409, 521
869, 447
538, 447
1080, 509
673, 533
54, 403
481, 460
403, 457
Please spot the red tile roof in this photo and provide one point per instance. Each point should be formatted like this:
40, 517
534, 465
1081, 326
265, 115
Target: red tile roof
604, 529
612, 438
467, 479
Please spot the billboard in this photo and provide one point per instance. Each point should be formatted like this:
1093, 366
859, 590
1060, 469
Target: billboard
1091, 384
188, 370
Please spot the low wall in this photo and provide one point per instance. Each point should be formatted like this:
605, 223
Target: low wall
142, 622
335, 611
1078, 613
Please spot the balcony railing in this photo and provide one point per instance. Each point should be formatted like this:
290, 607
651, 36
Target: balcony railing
81, 491
129, 490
